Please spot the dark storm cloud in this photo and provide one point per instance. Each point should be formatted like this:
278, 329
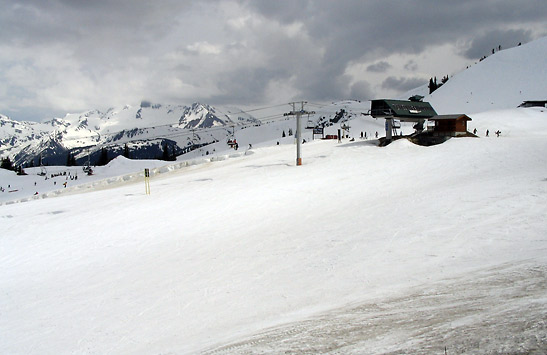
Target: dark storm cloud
120, 25
357, 30
402, 84
379, 67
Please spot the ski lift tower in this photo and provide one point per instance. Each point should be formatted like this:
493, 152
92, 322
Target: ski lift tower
298, 115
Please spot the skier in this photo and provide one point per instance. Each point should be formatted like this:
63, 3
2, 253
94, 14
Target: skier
487, 131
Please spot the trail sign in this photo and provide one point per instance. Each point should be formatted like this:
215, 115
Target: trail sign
147, 181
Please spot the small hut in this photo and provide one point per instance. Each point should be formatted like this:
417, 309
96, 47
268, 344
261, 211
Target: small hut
450, 125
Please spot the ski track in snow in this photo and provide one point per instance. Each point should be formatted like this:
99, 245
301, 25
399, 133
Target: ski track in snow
500, 310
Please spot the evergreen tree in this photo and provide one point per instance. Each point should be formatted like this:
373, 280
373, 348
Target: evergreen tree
173, 156
126, 151
165, 155
7, 164
431, 86
103, 157
69, 159
283, 135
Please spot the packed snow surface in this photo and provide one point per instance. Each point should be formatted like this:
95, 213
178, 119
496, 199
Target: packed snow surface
400, 249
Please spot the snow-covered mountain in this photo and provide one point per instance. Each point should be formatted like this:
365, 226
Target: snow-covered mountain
501, 81
145, 129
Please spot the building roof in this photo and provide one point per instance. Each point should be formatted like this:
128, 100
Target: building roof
450, 117
534, 103
401, 109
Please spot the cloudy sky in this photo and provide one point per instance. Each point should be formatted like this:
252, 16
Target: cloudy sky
59, 56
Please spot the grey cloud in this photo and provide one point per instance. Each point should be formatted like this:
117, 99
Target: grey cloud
245, 85
402, 84
361, 91
379, 67
285, 11
354, 30
103, 23
133, 47
483, 44
411, 65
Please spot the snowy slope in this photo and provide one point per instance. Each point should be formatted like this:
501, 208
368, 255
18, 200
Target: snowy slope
403, 249
503, 80
267, 134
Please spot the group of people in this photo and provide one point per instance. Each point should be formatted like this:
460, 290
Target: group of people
64, 173
364, 135
497, 133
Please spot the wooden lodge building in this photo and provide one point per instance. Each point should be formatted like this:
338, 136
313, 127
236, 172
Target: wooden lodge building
450, 125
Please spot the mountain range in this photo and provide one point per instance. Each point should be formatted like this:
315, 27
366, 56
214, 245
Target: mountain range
146, 130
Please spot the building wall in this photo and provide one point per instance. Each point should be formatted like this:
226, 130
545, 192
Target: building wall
451, 126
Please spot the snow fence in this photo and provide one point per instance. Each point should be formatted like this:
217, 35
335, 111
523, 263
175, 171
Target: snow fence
127, 178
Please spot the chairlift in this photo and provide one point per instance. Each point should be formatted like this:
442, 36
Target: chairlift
43, 171
310, 124
344, 125
395, 126
87, 166
232, 141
